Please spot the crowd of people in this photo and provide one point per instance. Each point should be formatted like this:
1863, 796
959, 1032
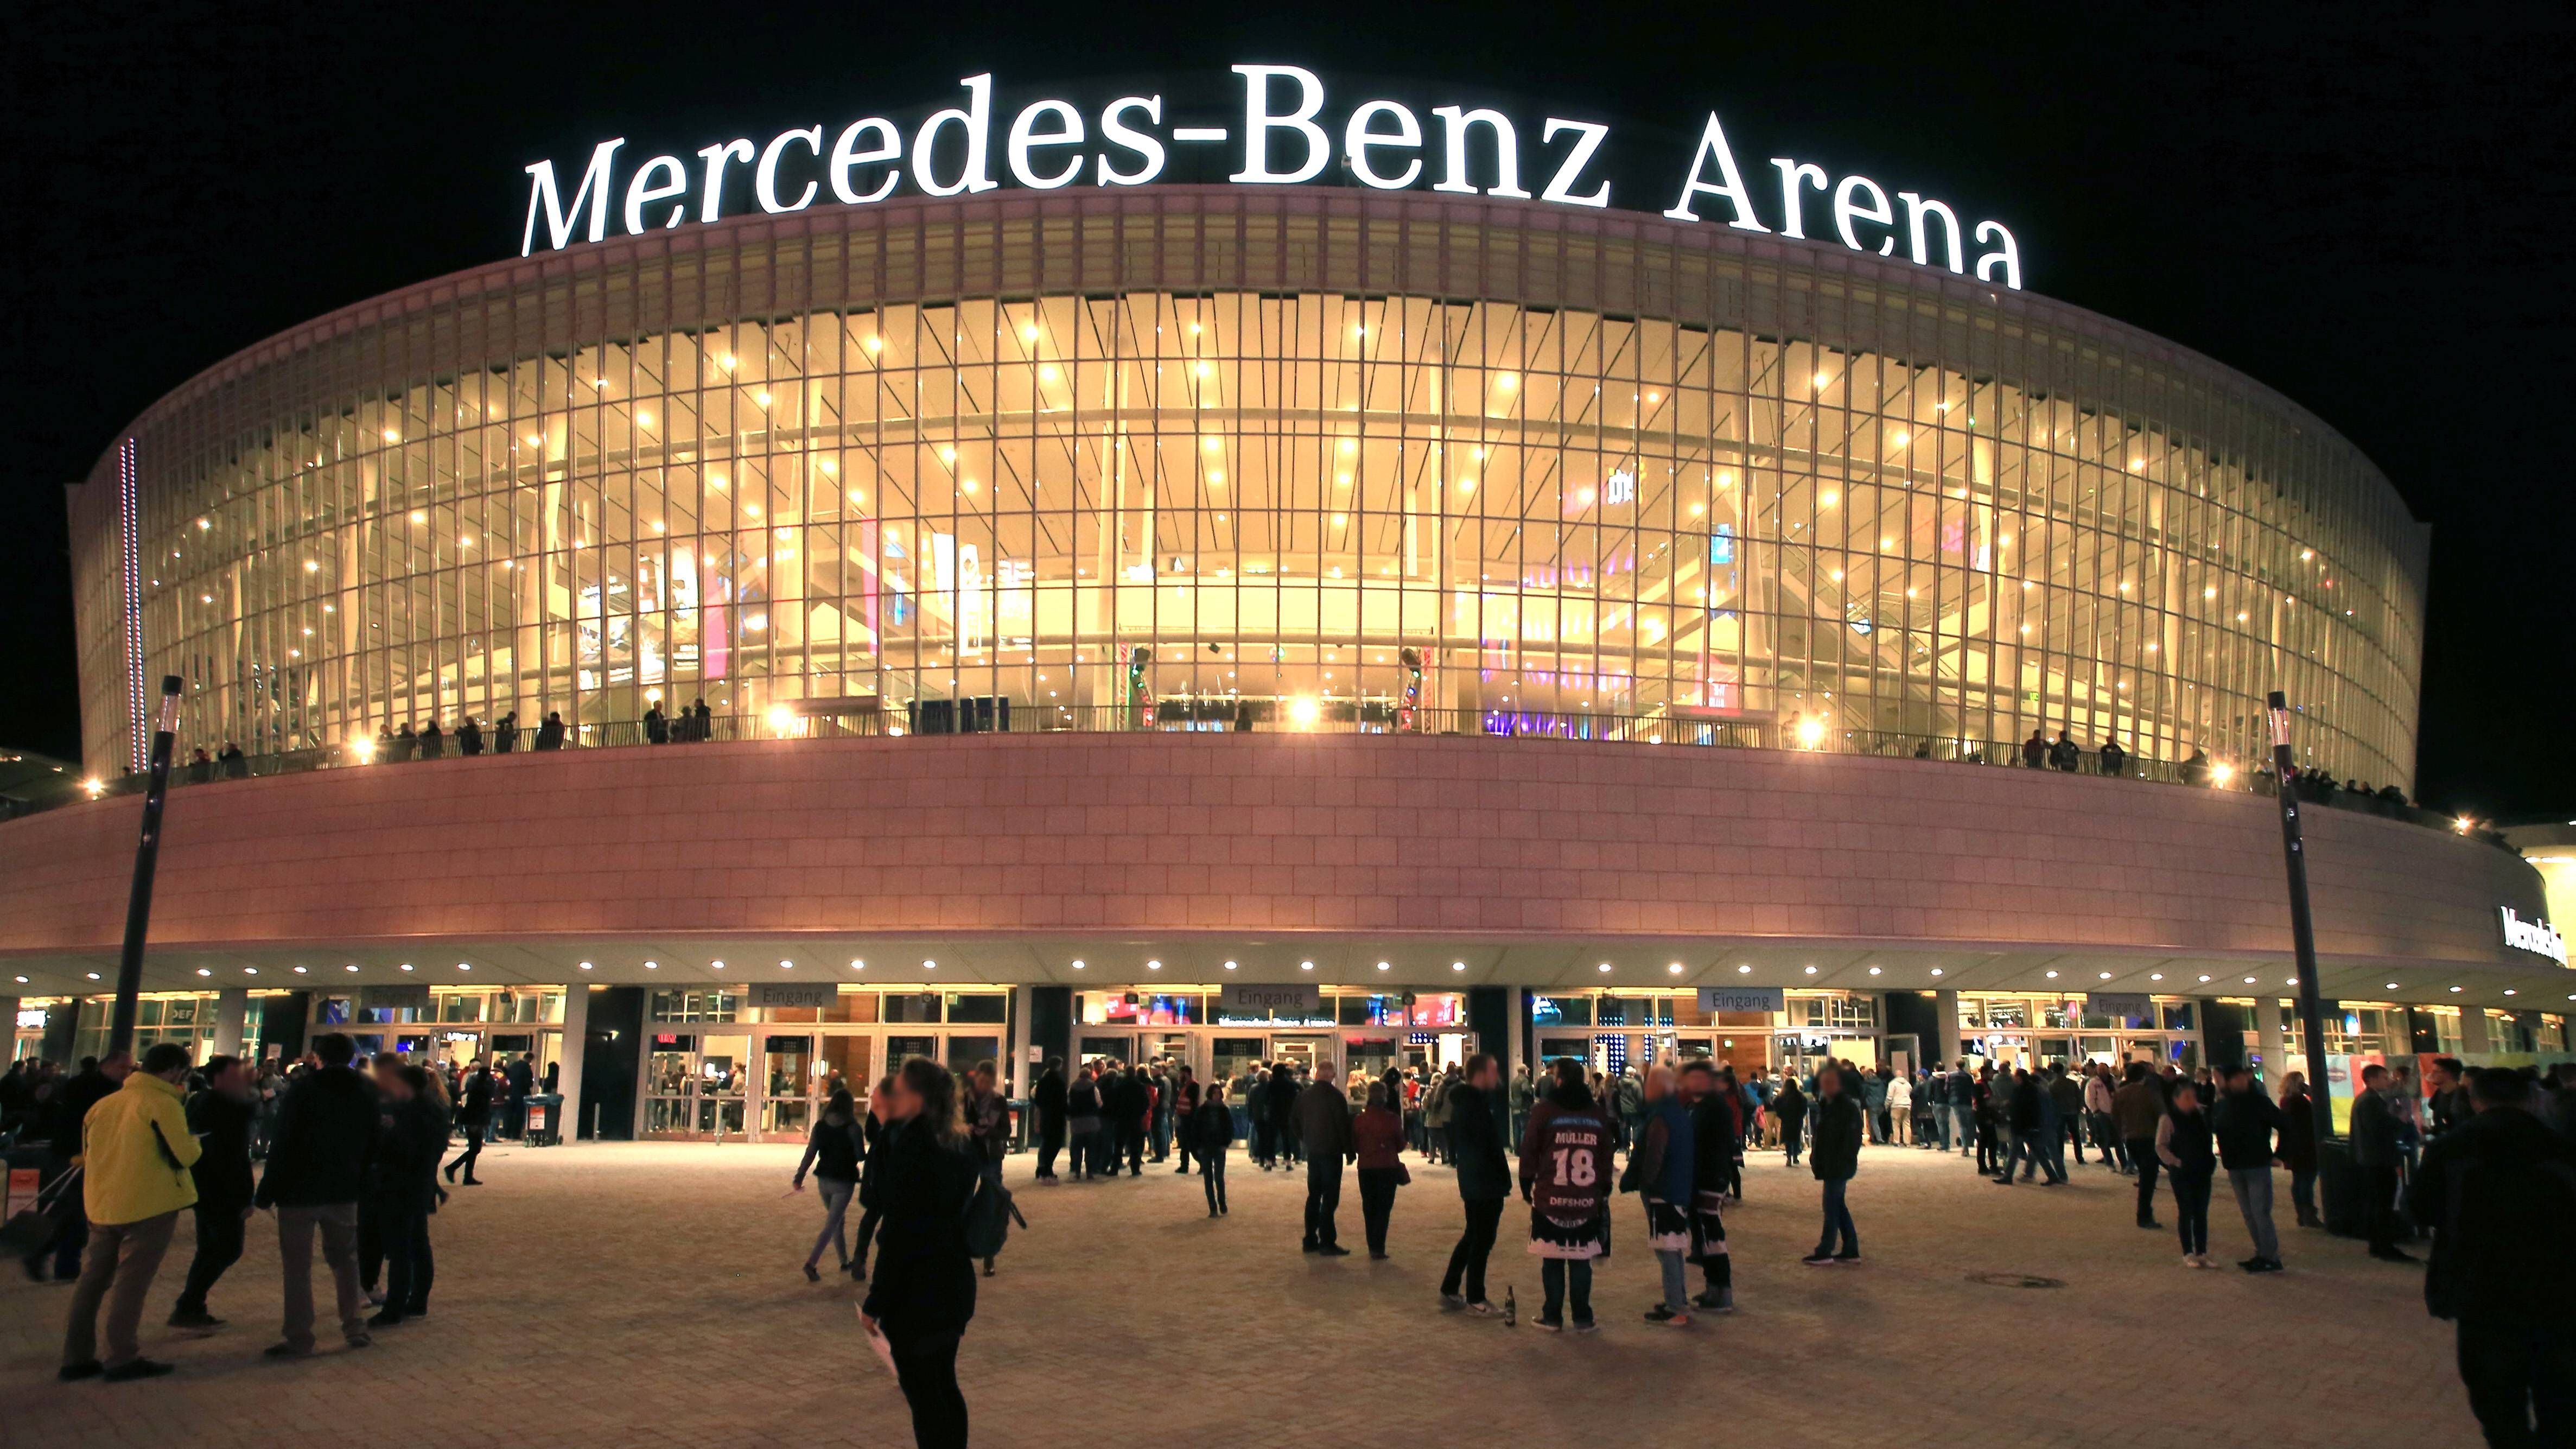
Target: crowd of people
2483, 1160
345, 1151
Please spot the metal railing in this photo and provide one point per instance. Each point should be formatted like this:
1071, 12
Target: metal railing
1225, 715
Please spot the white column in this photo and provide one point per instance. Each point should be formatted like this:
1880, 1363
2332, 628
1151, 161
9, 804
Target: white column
576, 1034
232, 1005
1945, 1030
1019, 1074
9, 1015
2473, 1028
2267, 1040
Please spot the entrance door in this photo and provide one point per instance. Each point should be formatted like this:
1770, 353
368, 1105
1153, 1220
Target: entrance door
694, 1086
788, 1081
966, 1053
1307, 1052
1370, 1056
848, 1061
670, 1086
903, 1048
1557, 1046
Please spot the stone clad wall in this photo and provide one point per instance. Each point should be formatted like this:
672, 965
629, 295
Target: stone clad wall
1075, 833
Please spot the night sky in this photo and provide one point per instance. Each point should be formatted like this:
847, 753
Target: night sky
2374, 219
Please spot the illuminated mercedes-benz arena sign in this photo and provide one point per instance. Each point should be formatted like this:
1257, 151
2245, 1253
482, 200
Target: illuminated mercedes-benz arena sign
1282, 140
1044, 586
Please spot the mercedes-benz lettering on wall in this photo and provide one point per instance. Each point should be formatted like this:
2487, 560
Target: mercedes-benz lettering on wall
1243, 456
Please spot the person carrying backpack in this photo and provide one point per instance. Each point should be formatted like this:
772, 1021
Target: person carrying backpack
2498, 1191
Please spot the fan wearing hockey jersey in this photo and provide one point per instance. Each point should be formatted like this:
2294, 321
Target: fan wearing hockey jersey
1565, 1178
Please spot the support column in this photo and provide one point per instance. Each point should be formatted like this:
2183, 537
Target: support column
576, 1036
2267, 1034
2473, 1029
1019, 1074
9, 1014
232, 1004
1945, 1032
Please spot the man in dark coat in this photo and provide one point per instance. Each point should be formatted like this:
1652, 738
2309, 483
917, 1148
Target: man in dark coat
522, 1078
220, 1116
1323, 1124
90, 1085
2375, 1158
2498, 1191
1483, 1157
317, 1167
1280, 1099
474, 1115
1717, 1140
1835, 1159
1048, 1101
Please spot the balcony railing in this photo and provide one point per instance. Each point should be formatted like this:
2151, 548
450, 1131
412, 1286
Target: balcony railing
1235, 716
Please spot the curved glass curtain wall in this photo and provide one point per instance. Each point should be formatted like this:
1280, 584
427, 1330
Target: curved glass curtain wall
1561, 511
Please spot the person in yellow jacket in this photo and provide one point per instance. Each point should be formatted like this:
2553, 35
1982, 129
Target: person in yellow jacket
135, 1153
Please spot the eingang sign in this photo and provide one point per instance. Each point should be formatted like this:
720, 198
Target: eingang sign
1284, 139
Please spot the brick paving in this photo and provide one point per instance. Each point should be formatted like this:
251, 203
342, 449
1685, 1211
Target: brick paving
649, 1294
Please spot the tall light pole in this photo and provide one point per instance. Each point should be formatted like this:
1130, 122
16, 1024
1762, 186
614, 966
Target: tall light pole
147, 853
2303, 934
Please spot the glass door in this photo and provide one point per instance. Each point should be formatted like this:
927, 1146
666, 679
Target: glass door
901, 1049
1554, 1047
1304, 1052
788, 1078
966, 1053
723, 1081
847, 1061
671, 1087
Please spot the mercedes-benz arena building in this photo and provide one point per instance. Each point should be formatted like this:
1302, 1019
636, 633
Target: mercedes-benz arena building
1243, 624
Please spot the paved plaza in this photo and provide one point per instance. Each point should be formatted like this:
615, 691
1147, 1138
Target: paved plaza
649, 1295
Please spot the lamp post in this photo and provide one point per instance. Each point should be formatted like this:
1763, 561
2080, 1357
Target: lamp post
2303, 935
147, 853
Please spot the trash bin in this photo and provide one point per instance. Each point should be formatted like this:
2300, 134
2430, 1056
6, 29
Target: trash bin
545, 1119
2339, 1188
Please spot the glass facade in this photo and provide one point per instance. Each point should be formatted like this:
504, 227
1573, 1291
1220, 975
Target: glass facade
1221, 460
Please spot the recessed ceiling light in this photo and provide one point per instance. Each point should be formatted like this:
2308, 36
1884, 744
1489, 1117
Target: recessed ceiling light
1605, 967
2204, 978
1811, 970
348, 968
2393, 986
202, 971
23, 981
2106, 975
299, 971
585, 965
2509, 991
1382, 966
2155, 976
2455, 988
2249, 980
406, 965
1309, 966
929, 965
1744, 970
719, 965
2052, 975
1675, 968
94, 976
1936, 970
859, 963
1077, 965
250, 971
461, 966
1457, 965
1229, 965
1873, 971
1150, 965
